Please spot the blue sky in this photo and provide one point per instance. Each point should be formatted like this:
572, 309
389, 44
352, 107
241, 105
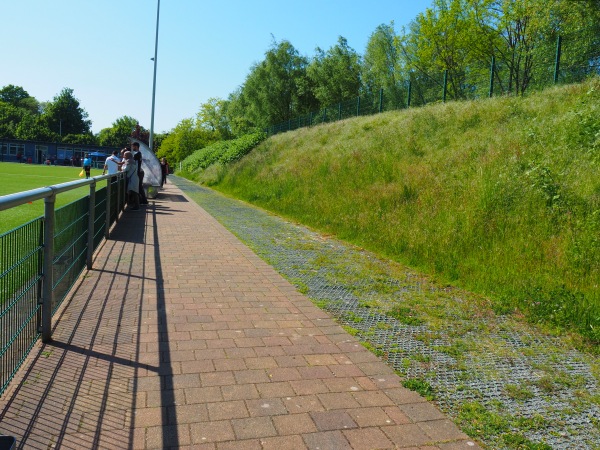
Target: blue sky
102, 49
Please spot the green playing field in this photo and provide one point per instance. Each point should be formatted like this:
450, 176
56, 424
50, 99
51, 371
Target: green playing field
23, 177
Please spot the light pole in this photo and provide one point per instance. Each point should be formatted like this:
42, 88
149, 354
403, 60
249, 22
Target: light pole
151, 141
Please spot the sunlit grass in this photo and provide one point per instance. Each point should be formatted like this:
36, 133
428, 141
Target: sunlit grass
499, 196
23, 177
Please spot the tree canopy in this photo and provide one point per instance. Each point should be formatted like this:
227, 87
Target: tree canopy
335, 74
65, 116
117, 134
452, 44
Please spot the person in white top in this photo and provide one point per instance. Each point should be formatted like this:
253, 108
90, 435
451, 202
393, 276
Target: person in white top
113, 163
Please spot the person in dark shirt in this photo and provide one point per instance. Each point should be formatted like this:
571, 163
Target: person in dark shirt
137, 156
164, 170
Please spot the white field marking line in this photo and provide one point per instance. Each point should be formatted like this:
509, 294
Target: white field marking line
37, 176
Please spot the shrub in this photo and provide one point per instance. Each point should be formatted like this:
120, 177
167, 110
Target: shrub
223, 152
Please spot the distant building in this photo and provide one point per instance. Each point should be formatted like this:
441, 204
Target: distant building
39, 152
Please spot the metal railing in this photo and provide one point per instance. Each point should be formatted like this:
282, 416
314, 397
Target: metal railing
40, 261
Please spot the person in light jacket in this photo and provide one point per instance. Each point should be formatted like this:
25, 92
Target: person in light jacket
132, 181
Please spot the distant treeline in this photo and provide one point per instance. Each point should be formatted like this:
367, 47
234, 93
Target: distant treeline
453, 44
458, 36
61, 120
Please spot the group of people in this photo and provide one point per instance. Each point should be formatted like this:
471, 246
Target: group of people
130, 163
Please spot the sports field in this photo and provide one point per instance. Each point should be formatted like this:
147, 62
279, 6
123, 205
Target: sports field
23, 177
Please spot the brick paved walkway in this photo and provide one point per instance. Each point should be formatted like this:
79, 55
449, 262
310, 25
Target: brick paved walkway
182, 337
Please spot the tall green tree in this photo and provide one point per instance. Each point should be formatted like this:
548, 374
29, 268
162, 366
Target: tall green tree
20, 115
32, 127
382, 65
116, 135
335, 74
510, 30
213, 117
64, 115
522, 36
10, 117
273, 91
183, 140
236, 112
84, 139
577, 22
444, 38
18, 97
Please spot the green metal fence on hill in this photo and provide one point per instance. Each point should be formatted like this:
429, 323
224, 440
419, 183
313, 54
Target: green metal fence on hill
41, 260
486, 79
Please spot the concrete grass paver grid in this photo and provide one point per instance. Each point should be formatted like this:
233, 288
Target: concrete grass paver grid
181, 336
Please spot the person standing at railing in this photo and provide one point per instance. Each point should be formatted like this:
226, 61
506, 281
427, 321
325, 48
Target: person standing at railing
137, 155
132, 181
113, 163
87, 165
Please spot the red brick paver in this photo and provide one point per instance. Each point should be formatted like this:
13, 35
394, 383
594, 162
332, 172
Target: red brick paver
182, 337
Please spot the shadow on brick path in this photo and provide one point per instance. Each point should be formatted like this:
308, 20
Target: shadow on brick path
182, 337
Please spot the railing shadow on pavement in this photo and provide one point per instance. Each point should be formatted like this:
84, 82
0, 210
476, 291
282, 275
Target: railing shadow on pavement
138, 228
170, 433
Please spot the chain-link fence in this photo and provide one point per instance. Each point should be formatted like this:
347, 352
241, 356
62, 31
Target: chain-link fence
561, 62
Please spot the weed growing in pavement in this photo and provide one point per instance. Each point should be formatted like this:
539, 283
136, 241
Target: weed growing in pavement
351, 331
421, 386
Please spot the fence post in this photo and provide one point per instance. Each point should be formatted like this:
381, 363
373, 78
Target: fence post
408, 94
557, 60
445, 85
91, 220
492, 70
47, 289
107, 218
40, 284
119, 198
380, 99
358, 106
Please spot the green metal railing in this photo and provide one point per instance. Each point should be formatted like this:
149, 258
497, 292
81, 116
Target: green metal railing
41, 260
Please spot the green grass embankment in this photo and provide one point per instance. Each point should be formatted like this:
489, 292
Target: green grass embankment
499, 196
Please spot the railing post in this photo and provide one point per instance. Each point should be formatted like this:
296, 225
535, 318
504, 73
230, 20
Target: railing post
557, 60
107, 219
492, 70
40, 287
91, 220
119, 199
47, 290
445, 85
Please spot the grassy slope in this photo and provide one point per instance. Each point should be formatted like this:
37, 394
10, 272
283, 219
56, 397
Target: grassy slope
500, 196
23, 177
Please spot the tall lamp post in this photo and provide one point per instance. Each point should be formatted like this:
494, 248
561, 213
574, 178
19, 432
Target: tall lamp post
151, 141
